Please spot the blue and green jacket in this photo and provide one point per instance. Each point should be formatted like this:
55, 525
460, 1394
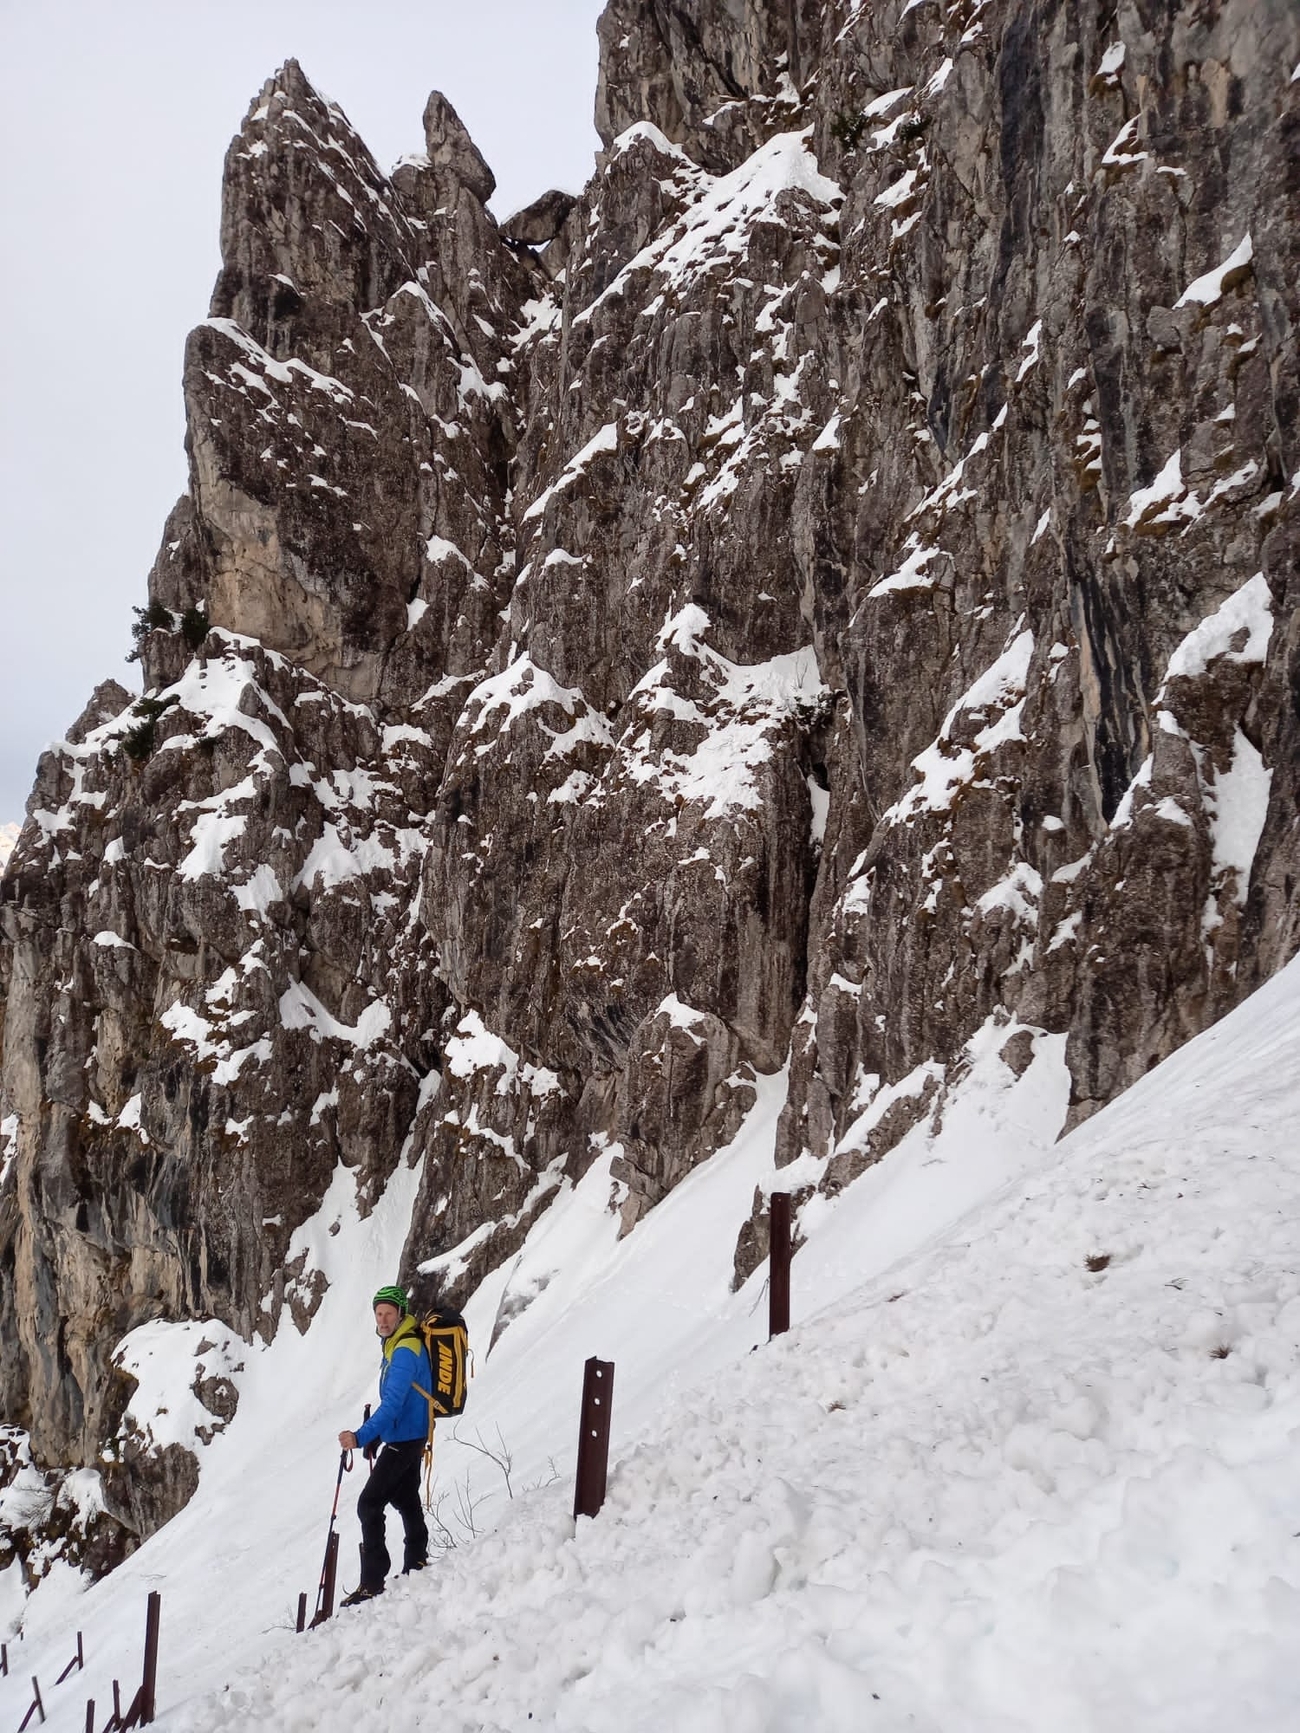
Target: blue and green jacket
403, 1413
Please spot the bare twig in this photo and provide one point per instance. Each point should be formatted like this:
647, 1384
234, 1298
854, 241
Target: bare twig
548, 1480
501, 1454
467, 1507
443, 1536
453, 1515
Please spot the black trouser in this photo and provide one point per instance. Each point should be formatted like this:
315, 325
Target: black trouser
395, 1481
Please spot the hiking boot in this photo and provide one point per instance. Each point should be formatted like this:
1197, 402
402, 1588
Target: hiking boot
362, 1594
415, 1564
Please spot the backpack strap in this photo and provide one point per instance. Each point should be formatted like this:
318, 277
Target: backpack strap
422, 1333
428, 1447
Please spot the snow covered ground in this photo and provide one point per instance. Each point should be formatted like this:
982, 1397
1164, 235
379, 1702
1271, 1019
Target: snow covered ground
1029, 1460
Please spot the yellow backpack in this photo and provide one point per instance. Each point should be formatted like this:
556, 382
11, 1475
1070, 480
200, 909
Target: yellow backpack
446, 1340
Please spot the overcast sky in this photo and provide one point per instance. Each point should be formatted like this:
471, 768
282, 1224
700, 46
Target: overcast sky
114, 119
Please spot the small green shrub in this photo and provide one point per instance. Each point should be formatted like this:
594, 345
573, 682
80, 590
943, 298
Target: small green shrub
139, 741
194, 626
913, 128
847, 128
154, 618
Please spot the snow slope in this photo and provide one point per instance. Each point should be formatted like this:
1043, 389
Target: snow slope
981, 1486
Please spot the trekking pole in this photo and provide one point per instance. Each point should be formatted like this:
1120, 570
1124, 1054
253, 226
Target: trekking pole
345, 1467
370, 1451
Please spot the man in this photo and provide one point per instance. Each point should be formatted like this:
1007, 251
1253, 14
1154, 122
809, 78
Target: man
401, 1422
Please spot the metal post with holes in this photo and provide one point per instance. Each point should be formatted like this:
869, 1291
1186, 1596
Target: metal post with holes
593, 1437
778, 1283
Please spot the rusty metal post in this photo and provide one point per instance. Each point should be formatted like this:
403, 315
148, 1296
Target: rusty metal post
37, 1708
331, 1575
117, 1705
778, 1283
302, 1612
149, 1684
75, 1665
4, 1659
324, 1606
593, 1437
90, 1715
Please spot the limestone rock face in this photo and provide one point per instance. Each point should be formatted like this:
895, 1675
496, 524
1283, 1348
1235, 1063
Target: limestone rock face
344, 426
715, 75
541, 221
838, 612
453, 156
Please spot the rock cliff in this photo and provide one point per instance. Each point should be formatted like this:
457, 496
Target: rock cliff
826, 596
